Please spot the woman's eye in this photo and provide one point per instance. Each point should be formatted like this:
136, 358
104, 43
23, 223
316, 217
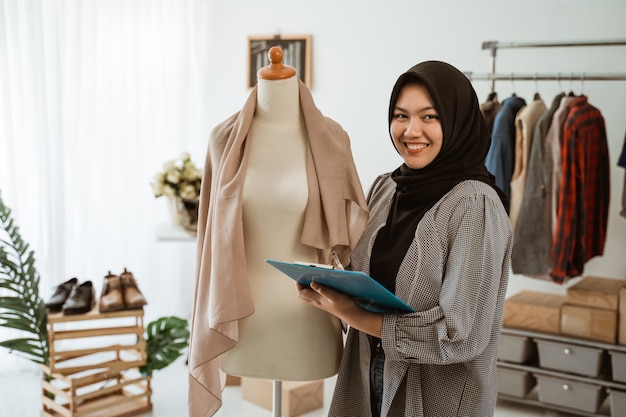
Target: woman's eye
400, 116
431, 117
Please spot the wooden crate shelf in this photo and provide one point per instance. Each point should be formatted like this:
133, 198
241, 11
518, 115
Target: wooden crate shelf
109, 406
94, 366
93, 339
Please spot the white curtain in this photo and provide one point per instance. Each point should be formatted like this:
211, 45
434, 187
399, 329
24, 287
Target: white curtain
95, 95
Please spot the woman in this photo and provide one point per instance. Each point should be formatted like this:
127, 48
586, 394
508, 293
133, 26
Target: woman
439, 237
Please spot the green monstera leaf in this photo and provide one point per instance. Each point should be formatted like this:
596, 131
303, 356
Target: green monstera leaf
166, 340
21, 308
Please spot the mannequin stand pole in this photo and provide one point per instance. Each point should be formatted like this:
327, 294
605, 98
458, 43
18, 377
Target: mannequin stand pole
277, 398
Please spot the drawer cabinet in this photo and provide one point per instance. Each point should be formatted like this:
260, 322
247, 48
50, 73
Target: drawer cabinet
562, 373
571, 357
515, 382
517, 348
571, 394
618, 365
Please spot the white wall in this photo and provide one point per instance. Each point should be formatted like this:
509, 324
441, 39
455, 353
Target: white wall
360, 47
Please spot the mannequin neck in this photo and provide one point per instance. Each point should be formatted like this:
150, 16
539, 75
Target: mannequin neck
278, 102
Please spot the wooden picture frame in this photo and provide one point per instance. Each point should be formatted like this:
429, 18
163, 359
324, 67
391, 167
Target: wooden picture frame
296, 53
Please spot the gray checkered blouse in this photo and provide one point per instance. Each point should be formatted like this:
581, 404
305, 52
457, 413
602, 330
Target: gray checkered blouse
441, 360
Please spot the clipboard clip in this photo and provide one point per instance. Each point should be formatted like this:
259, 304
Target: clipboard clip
338, 263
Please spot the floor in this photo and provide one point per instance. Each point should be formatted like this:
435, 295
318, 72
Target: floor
19, 397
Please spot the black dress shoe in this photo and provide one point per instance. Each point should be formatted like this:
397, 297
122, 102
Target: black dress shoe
60, 295
81, 300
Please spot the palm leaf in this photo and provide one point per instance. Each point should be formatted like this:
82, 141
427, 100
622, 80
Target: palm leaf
166, 338
22, 344
21, 309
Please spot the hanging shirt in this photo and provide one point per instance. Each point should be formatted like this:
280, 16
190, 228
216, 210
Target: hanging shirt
554, 138
622, 162
533, 238
501, 153
524, 127
490, 108
583, 205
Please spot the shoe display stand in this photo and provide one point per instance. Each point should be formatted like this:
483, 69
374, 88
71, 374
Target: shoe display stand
561, 373
94, 365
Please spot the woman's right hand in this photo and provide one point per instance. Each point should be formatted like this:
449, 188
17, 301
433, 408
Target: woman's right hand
342, 306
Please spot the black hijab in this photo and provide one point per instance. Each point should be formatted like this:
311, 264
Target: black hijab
466, 141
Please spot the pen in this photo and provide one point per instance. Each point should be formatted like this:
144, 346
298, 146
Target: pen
336, 259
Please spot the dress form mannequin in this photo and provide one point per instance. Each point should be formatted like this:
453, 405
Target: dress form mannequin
279, 180
284, 339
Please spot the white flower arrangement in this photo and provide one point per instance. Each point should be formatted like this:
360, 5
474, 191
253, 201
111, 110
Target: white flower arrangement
179, 178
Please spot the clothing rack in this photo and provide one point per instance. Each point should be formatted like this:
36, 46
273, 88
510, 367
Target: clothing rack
493, 76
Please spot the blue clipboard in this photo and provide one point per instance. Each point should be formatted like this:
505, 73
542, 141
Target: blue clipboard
368, 292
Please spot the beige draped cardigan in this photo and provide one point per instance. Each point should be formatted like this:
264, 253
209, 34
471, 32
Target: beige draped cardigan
335, 217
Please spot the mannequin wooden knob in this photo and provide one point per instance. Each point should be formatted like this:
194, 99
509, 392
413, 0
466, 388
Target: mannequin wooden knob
276, 70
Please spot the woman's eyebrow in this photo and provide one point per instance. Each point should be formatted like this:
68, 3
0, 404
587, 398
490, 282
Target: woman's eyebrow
418, 110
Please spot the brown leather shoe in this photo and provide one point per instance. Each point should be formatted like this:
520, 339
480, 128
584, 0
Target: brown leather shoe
111, 298
133, 298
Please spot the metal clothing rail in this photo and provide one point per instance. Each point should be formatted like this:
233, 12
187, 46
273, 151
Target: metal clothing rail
493, 46
561, 76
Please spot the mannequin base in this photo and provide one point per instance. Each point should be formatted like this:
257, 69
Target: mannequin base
297, 397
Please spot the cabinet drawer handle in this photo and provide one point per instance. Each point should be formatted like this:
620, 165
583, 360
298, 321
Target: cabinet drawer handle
566, 387
567, 351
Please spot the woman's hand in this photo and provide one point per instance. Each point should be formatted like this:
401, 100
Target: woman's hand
341, 306
325, 298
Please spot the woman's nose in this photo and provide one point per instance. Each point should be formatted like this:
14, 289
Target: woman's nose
413, 128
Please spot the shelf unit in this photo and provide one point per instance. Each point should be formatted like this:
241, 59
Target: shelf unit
94, 365
562, 373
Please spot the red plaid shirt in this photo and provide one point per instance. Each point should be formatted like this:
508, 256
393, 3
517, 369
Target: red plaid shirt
583, 204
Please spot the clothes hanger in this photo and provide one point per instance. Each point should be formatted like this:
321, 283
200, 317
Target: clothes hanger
493, 96
582, 84
571, 91
536, 96
513, 94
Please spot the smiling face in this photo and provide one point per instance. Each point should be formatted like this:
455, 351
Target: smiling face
416, 127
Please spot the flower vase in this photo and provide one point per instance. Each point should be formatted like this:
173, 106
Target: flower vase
185, 213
